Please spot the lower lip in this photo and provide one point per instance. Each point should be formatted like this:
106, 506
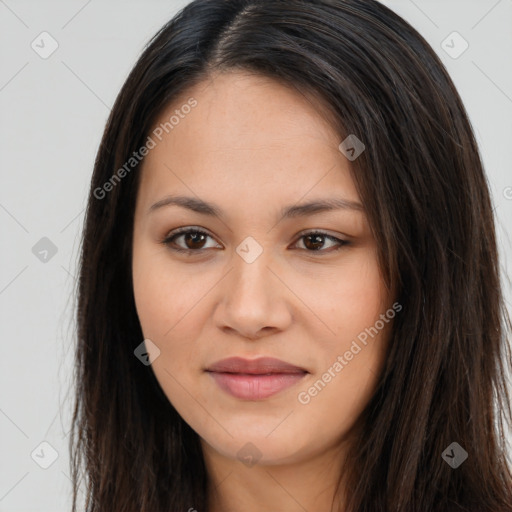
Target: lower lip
255, 387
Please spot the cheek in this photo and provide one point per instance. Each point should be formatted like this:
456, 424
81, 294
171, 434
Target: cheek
351, 358
350, 297
165, 297
170, 302
165, 293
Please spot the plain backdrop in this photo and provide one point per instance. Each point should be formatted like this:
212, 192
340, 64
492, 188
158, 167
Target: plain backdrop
53, 111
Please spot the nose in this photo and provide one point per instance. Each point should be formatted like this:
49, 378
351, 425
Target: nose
255, 301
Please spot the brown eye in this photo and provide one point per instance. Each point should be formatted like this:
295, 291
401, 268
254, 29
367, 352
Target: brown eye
193, 240
315, 241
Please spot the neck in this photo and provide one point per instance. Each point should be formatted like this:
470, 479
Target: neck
294, 487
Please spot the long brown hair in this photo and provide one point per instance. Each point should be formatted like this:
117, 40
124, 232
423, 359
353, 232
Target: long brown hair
422, 182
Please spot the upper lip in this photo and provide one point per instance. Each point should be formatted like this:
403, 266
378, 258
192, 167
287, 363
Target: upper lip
262, 365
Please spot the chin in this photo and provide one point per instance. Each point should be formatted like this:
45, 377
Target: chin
251, 446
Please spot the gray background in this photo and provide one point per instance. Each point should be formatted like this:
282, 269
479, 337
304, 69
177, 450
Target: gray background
53, 115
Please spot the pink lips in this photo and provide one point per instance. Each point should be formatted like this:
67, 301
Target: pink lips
254, 379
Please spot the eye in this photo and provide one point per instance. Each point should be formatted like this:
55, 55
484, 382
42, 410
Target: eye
194, 240
314, 240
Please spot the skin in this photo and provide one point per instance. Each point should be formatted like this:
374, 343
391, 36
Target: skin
253, 146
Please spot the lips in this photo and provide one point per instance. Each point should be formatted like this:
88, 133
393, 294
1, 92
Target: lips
255, 379
260, 366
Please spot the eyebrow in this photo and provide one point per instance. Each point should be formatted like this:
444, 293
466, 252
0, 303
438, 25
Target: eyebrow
301, 210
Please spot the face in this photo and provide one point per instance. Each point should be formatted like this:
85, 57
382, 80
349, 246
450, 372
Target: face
250, 278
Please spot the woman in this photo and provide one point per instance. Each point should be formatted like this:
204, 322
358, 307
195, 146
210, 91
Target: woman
289, 294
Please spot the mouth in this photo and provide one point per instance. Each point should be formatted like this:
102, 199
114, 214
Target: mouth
255, 379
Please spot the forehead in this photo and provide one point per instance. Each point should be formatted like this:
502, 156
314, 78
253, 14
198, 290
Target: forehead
246, 136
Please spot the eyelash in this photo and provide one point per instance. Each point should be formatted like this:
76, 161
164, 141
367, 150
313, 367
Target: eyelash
169, 239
